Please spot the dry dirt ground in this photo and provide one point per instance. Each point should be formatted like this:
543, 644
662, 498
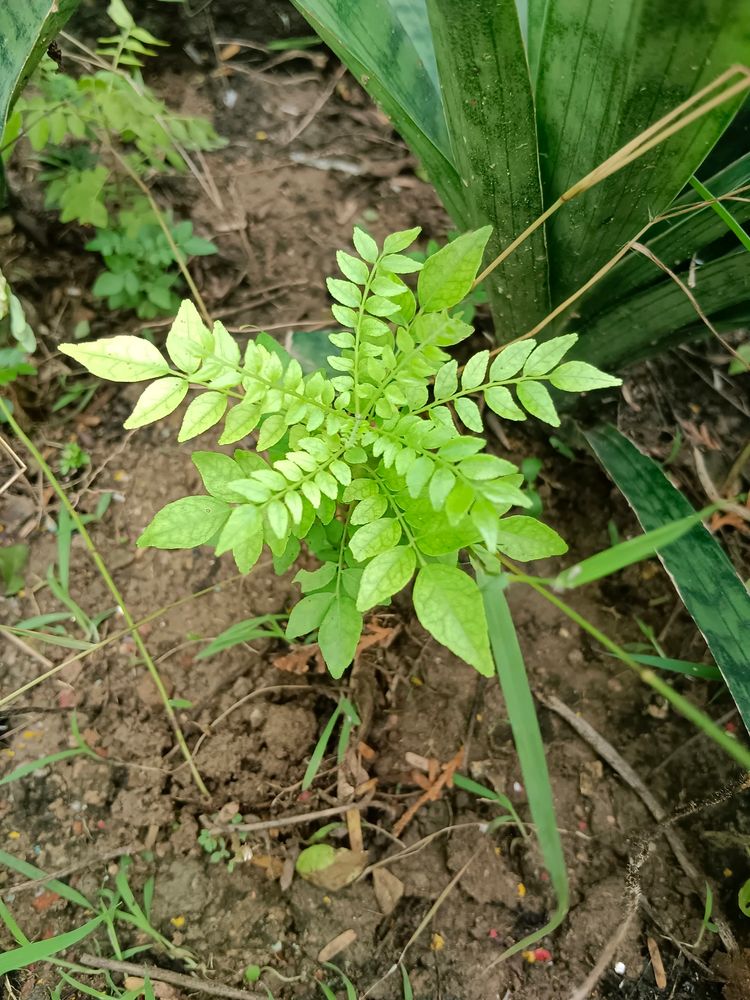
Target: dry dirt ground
308, 157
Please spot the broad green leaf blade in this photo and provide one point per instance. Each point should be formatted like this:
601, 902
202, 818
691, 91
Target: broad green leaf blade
26, 30
486, 90
700, 570
388, 48
608, 71
185, 523
122, 358
448, 604
616, 338
527, 737
339, 634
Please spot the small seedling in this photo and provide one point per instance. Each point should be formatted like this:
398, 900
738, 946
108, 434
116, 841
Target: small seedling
368, 466
222, 849
72, 458
97, 136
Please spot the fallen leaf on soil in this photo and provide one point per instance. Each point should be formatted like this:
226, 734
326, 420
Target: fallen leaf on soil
432, 792
337, 945
273, 867
354, 826
227, 811
297, 660
376, 635
228, 52
591, 774
388, 890
67, 698
658, 966
162, 990
366, 751
44, 900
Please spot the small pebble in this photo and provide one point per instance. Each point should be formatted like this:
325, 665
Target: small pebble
620, 969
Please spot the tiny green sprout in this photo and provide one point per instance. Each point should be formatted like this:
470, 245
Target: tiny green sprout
380, 468
72, 458
224, 849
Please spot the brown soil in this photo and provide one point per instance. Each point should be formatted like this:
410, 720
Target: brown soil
278, 223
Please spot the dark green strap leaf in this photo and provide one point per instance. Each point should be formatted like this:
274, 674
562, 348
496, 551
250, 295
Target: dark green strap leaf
700, 570
607, 71
26, 29
486, 90
677, 241
388, 48
616, 338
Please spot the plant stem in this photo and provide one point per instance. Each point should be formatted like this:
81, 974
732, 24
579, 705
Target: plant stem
181, 263
113, 589
678, 701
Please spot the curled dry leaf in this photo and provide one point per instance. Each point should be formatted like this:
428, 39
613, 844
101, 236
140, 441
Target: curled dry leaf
337, 945
388, 890
297, 660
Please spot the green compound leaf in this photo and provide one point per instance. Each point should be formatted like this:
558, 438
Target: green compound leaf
372, 539
339, 634
307, 614
449, 605
385, 575
204, 411
365, 245
469, 413
525, 538
217, 471
188, 340
317, 579
447, 275
243, 536
156, 401
577, 376
544, 357
185, 523
537, 400
511, 360
119, 359
501, 402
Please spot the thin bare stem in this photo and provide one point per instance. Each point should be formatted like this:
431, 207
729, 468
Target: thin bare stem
181, 262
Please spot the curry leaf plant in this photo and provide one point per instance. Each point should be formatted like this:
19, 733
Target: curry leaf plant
380, 468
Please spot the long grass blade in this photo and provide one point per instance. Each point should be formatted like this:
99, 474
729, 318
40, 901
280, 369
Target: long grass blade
30, 872
723, 212
704, 577
527, 737
702, 670
38, 951
626, 553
